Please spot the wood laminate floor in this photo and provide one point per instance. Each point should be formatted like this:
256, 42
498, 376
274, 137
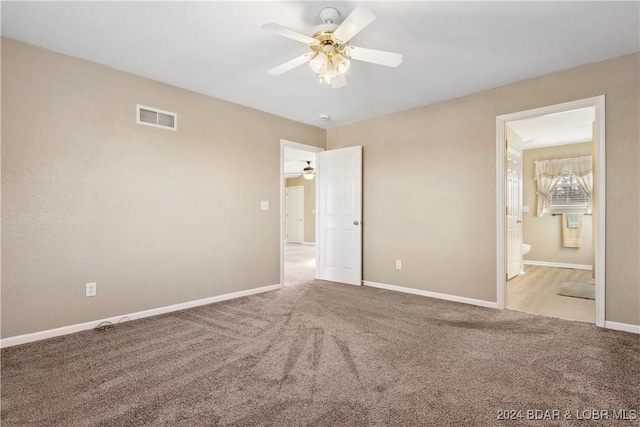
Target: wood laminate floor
536, 292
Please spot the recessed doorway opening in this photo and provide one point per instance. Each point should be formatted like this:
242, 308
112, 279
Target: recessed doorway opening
561, 271
298, 208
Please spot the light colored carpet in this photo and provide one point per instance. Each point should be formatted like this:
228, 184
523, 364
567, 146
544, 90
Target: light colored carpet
299, 264
578, 290
322, 354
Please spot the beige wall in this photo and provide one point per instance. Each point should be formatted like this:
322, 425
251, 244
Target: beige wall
430, 179
544, 234
309, 205
155, 217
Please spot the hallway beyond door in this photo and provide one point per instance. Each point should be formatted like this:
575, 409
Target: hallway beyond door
299, 263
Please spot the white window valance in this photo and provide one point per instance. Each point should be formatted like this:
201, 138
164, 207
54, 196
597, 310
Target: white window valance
549, 172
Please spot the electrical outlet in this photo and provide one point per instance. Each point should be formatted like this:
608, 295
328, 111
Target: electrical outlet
91, 289
398, 264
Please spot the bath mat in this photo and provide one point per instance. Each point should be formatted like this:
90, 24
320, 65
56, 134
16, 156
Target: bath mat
578, 290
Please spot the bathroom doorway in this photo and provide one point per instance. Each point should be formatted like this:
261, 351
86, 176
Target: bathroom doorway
556, 244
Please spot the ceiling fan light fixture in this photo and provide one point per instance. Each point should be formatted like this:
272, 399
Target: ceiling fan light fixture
308, 172
331, 70
340, 63
331, 53
328, 73
319, 63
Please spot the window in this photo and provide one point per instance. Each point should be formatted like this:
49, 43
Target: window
564, 185
568, 195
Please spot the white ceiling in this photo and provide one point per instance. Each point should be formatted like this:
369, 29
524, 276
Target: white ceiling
218, 48
569, 127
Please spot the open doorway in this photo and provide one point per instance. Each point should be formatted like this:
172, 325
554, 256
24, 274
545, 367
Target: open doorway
298, 237
551, 240
550, 271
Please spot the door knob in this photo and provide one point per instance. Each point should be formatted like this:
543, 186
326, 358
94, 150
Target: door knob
518, 222
356, 222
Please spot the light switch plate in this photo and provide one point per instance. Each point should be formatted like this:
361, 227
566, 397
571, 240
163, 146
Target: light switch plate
525, 209
264, 205
90, 289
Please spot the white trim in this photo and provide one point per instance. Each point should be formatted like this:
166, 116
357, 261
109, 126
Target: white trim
501, 262
626, 327
290, 144
447, 297
598, 102
600, 207
559, 264
65, 330
309, 243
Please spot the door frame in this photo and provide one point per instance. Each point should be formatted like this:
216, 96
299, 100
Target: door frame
598, 102
289, 144
519, 215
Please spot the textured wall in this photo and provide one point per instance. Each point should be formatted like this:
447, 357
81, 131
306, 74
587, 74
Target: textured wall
159, 217
155, 217
544, 234
430, 179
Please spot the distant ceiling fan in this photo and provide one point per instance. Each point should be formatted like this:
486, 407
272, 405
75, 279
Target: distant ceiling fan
330, 48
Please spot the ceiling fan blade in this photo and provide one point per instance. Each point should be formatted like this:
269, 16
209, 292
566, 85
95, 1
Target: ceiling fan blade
289, 65
381, 57
338, 81
353, 24
284, 31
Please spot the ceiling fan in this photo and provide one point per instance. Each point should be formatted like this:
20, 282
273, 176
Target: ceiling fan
331, 52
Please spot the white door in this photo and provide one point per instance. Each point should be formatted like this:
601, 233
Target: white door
514, 247
295, 214
339, 215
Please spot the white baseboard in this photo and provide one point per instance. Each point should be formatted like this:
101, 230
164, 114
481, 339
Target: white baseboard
455, 298
622, 327
558, 264
65, 330
625, 327
309, 243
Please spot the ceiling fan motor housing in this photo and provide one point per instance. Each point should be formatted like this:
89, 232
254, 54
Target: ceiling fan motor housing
329, 15
324, 32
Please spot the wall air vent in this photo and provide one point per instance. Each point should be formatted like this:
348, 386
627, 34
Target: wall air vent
153, 117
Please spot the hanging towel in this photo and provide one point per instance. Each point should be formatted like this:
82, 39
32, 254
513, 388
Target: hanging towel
571, 236
572, 220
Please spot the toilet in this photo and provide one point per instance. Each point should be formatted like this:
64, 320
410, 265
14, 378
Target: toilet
525, 250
